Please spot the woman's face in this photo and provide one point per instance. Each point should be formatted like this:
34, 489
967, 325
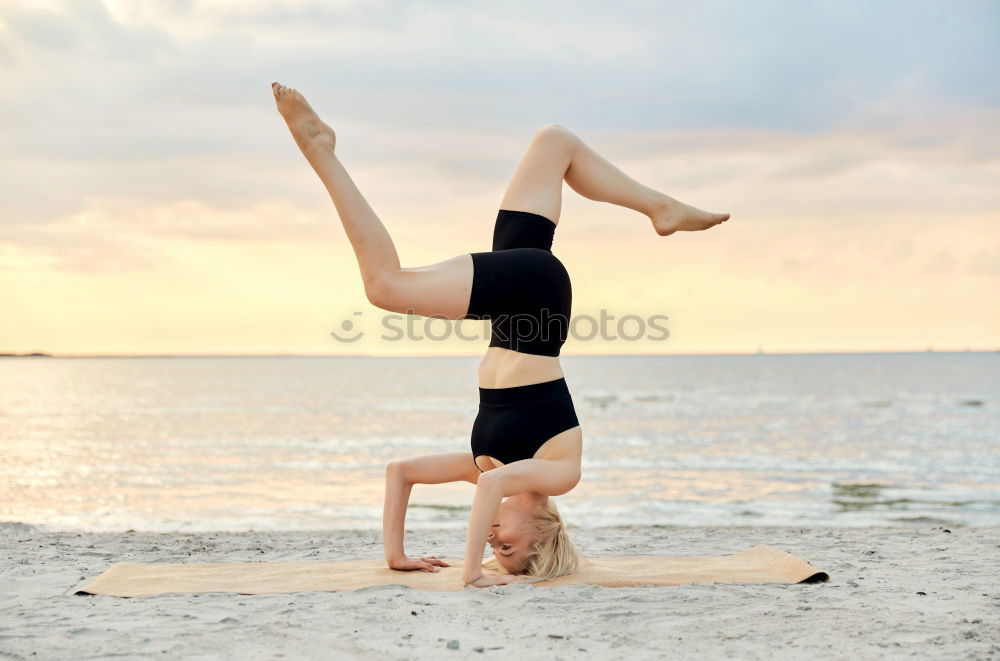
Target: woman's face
511, 546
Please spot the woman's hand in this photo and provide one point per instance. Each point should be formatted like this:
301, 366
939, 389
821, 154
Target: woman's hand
425, 563
486, 580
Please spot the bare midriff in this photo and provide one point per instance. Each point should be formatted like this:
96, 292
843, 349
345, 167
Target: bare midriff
503, 368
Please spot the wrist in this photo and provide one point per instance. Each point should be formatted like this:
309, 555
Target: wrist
469, 581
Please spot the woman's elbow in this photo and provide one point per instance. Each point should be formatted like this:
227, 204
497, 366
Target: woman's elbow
490, 480
395, 468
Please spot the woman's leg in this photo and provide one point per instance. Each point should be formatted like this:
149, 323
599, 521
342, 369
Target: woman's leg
557, 154
440, 290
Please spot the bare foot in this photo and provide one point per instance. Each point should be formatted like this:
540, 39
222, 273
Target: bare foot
674, 216
309, 131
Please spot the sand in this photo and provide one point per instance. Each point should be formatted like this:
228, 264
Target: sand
920, 592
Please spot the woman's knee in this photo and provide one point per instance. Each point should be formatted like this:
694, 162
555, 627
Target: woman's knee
556, 135
382, 291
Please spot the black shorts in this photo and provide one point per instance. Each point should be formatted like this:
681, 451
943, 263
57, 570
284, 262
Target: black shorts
526, 295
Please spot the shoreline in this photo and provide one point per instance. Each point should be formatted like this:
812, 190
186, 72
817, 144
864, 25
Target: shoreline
461, 524
872, 605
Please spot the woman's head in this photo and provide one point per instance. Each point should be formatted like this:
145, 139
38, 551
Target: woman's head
529, 537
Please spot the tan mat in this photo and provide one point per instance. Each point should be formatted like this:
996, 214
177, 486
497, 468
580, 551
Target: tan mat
760, 564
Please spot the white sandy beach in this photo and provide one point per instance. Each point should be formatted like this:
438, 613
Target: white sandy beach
894, 592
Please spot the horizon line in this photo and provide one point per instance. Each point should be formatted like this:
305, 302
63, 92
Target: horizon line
40, 354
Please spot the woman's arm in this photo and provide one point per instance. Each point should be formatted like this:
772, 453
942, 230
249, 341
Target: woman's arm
547, 476
400, 476
489, 492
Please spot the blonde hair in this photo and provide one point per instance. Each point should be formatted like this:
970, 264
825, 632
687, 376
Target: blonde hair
552, 552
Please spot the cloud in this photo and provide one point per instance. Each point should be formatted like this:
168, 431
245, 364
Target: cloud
122, 235
644, 65
985, 261
855, 145
841, 187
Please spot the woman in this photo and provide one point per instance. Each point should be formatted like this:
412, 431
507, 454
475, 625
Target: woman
526, 440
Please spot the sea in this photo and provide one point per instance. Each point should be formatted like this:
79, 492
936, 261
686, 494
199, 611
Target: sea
301, 443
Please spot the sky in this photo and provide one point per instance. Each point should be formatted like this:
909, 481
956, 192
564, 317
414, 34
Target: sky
153, 202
